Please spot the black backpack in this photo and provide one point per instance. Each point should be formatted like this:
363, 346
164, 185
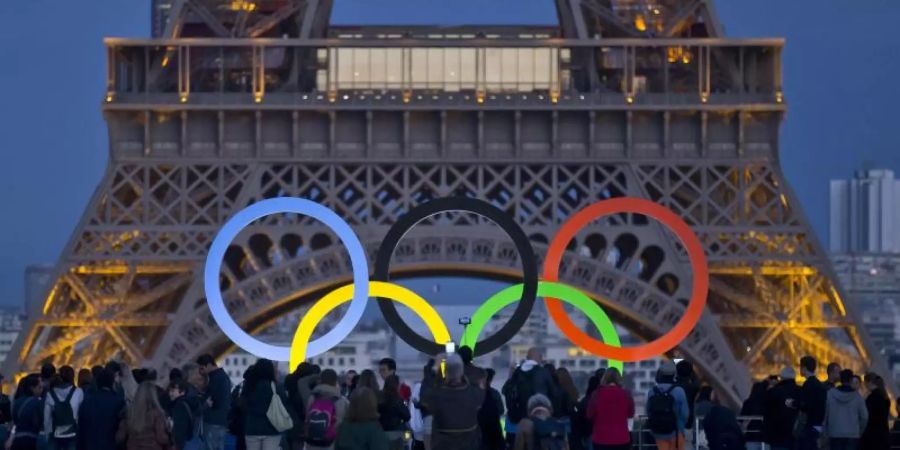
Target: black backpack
521, 388
549, 434
661, 411
63, 416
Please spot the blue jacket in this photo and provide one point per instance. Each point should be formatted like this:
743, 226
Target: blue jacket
682, 410
98, 420
256, 407
219, 391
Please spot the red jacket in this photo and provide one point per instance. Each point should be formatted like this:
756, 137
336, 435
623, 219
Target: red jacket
609, 409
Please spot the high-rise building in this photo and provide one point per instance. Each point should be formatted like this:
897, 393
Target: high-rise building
865, 213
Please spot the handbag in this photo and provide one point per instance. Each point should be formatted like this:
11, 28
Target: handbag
277, 414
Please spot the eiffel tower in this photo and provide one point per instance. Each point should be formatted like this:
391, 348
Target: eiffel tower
231, 102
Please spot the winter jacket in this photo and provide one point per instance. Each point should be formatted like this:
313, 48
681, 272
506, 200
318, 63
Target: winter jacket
489, 420
62, 393
361, 436
153, 436
877, 435
392, 414
541, 383
219, 391
256, 408
98, 419
28, 415
845, 414
609, 409
184, 412
450, 429
722, 429
812, 401
780, 414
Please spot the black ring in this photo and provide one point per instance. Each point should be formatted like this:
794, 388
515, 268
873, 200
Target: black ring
482, 208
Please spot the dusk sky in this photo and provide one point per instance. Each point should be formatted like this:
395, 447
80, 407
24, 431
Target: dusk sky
840, 84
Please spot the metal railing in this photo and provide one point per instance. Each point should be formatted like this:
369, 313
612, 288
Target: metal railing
261, 70
643, 438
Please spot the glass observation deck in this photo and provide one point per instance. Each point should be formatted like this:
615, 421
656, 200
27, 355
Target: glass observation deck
288, 71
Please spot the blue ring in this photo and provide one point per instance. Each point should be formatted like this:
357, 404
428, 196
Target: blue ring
246, 216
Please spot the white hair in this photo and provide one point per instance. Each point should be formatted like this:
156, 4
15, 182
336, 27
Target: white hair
455, 367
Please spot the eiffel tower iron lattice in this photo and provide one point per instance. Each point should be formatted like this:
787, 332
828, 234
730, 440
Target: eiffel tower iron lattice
642, 98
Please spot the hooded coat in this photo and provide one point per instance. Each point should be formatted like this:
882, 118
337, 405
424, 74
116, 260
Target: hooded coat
845, 414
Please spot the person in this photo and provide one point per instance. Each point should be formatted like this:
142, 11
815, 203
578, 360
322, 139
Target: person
259, 391
811, 405
856, 383
474, 374
367, 380
145, 426
454, 405
833, 372
687, 379
306, 375
703, 403
539, 430
393, 413
61, 410
360, 429
877, 434
845, 415
347, 383
420, 419
176, 374
568, 394
48, 373
237, 414
5, 413
528, 378
85, 379
667, 410
754, 407
327, 411
388, 367
99, 414
609, 410
780, 411
218, 401
182, 415
581, 425
721, 426
489, 415
28, 412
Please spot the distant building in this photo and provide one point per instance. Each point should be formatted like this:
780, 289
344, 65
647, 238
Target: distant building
865, 213
11, 322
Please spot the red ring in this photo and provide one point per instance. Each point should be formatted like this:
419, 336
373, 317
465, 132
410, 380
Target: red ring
696, 255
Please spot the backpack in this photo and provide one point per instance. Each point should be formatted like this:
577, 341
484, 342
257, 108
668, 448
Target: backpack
549, 434
517, 394
62, 415
661, 411
194, 441
277, 414
321, 421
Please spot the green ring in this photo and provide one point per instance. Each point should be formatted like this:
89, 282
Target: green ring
551, 289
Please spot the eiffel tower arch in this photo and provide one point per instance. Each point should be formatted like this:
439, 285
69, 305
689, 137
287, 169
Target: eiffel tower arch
233, 102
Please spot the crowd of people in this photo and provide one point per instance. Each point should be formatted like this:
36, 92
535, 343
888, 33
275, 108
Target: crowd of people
453, 406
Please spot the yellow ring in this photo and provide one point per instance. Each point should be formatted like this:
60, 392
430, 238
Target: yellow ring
380, 289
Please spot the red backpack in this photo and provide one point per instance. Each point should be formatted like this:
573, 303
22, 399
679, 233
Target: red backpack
321, 422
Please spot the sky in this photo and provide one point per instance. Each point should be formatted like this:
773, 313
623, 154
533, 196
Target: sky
839, 71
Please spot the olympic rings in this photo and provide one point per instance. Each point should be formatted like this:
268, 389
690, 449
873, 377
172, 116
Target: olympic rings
569, 294
525, 293
264, 208
381, 289
700, 279
507, 223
